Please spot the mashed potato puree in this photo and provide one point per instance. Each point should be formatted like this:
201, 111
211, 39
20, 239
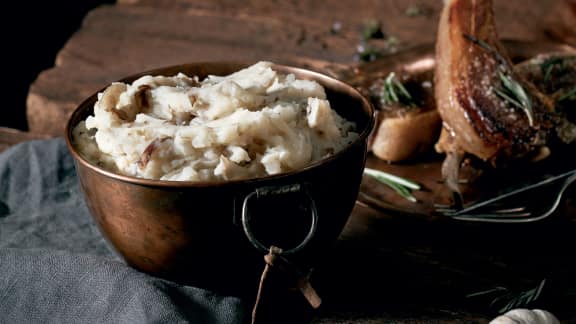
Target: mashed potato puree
252, 123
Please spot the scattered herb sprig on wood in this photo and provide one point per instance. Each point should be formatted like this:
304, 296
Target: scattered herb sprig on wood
413, 11
394, 92
374, 42
524, 298
417, 10
402, 186
372, 30
512, 300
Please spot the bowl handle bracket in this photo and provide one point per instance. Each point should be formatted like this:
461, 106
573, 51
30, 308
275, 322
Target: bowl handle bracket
278, 191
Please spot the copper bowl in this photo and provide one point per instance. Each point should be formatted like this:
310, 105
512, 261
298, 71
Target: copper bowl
192, 232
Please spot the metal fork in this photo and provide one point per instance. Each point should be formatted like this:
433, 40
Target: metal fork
527, 204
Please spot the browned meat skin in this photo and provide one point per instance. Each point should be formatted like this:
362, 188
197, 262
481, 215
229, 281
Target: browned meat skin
555, 75
552, 73
469, 61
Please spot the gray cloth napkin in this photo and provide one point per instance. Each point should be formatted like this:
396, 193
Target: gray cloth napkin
55, 267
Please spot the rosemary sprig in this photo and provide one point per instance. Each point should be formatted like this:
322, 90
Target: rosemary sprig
375, 43
486, 292
515, 94
548, 65
372, 30
511, 90
393, 92
402, 186
501, 60
570, 95
512, 300
413, 11
367, 53
418, 10
524, 298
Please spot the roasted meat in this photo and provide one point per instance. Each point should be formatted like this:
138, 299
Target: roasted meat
488, 110
554, 74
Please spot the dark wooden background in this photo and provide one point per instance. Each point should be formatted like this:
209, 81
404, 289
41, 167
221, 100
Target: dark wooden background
384, 268
136, 35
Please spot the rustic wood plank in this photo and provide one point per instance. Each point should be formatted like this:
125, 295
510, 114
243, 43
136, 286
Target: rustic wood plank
407, 270
10, 137
150, 40
137, 35
515, 19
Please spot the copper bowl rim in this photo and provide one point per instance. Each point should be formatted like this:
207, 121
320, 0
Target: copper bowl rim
323, 79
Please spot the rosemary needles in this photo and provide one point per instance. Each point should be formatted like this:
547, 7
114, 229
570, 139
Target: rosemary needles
514, 93
508, 300
401, 186
569, 95
394, 92
510, 90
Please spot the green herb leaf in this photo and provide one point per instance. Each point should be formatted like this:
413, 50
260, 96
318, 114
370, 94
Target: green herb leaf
515, 94
501, 60
486, 292
413, 11
367, 53
511, 90
509, 299
400, 185
372, 30
548, 65
393, 92
570, 95
524, 298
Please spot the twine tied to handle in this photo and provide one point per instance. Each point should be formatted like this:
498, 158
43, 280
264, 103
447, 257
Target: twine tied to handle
293, 277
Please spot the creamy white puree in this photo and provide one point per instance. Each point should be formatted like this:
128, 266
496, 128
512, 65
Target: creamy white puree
249, 124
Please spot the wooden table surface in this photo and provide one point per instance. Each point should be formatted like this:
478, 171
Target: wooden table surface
137, 35
384, 268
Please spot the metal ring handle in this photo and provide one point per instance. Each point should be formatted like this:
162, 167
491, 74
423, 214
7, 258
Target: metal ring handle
258, 245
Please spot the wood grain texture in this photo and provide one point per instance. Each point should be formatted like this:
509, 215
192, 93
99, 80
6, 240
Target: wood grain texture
136, 35
407, 270
10, 137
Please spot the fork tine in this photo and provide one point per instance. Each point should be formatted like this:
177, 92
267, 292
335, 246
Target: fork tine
498, 199
446, 210
492, 219
495, 219
499, 208
510, 211
525, 208
494, 214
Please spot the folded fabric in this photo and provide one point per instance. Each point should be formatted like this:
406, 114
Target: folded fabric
55, 267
